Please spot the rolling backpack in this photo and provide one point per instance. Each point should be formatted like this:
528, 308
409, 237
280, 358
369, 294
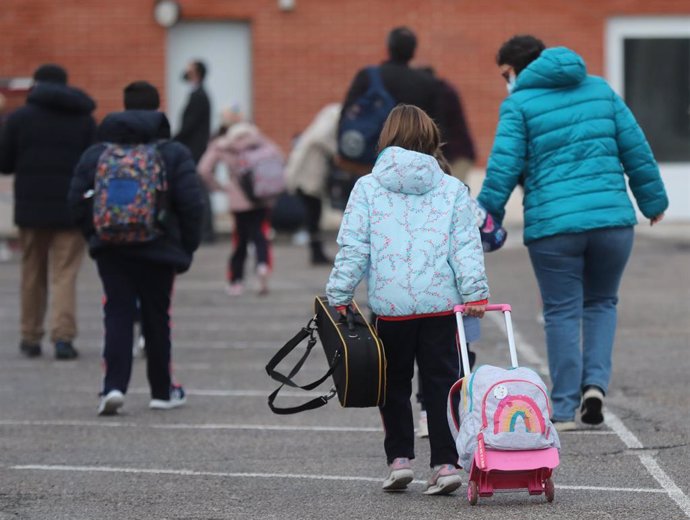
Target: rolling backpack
361, 124
129, 194
500, 408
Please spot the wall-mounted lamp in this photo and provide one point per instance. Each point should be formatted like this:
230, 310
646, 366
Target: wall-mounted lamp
286, 5
166, 13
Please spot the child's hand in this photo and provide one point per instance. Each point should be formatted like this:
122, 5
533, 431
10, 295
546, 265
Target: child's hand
475, 310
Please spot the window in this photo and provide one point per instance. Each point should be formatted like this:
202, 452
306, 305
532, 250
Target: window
657, 90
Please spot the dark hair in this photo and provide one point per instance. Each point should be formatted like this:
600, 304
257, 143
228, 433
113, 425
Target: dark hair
200, 68
401, 44
51, 73
411, 128
520, 51
141, 95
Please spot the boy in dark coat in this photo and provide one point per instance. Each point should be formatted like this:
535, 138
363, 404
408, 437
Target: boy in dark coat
143, 271
41, 143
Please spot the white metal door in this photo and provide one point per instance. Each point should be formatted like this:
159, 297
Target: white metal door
648, 64
225, 48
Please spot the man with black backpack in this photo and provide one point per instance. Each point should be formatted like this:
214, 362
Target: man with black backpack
374, 92
138, 200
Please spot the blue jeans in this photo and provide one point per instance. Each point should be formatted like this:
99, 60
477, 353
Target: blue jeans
579, 275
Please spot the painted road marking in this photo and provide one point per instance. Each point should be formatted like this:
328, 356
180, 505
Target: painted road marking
193, 473
185, 426
106, 423
529, 352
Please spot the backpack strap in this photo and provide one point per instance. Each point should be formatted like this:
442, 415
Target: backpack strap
304, 333
375, 80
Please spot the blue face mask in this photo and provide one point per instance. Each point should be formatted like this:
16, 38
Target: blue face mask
511, 83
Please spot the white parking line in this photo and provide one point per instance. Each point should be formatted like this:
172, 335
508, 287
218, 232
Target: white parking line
185, 426
528, 352
193, 473
108, 423
649, 462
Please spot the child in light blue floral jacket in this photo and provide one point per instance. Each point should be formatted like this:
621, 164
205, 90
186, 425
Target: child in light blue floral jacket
411, 230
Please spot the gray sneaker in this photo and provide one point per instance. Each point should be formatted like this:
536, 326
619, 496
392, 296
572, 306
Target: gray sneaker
400, 475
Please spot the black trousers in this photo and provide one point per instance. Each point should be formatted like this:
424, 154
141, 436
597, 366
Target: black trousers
126, 280
431, 341
312, 214
420, 387
250, 226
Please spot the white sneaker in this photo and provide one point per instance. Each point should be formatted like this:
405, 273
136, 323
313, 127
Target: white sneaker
423, 430
564, 426
111, 402
235, 289
177, 399
262, 272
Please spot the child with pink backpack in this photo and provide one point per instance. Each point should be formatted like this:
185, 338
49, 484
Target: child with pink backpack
255, 168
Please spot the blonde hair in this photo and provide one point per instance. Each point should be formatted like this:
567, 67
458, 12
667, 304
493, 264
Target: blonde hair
409, 127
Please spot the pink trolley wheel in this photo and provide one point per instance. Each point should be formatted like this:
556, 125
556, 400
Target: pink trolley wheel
549, 490
472, 493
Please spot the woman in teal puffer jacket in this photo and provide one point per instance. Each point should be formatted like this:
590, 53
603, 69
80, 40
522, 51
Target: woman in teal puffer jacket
571, 140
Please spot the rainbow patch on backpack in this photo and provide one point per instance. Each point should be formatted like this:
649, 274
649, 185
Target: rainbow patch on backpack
516, 409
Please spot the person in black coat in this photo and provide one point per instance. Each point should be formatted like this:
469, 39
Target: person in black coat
41, 143
195, 131
458, 145
141, 272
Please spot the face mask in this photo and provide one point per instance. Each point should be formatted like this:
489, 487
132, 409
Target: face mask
511, 83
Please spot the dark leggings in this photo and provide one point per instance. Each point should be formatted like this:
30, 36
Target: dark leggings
431, 342
250, 226
312, 210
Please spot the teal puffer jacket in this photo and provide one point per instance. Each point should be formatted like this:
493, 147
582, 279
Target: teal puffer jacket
572, 140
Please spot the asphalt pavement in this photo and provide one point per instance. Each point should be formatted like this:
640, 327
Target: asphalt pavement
226, 456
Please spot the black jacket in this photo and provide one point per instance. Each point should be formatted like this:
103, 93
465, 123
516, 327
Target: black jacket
196, 123
406, 85
185, 203
41, 143
451, 121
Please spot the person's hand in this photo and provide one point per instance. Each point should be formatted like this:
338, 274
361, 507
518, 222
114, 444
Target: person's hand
342, 309
657, 219
475, 310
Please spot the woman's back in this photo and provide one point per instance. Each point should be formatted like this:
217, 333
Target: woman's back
574, 138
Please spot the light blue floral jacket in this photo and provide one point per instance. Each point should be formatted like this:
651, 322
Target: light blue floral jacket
411, 229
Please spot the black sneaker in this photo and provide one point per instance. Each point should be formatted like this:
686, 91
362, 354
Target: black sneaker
64, 350
592, 405
30, 350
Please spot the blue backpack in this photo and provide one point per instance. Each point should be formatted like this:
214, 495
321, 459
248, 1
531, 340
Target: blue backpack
361, 124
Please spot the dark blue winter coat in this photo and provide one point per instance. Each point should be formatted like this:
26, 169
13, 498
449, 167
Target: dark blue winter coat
41, 144
182, 232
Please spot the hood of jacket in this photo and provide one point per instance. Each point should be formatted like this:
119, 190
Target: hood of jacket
404, 171
134, 126
555, 68
61, 97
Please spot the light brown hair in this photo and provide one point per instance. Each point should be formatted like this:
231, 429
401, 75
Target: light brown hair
409, 127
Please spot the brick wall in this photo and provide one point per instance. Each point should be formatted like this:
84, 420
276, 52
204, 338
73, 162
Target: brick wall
306, 58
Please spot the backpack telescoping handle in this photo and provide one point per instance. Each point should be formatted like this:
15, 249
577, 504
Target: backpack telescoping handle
506, 310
